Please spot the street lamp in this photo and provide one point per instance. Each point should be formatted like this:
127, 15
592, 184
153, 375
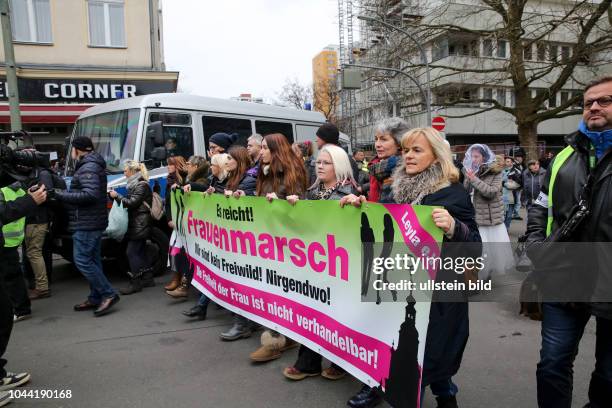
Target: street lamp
423, 58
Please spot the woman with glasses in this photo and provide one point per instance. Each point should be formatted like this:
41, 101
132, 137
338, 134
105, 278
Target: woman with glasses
334, 181
221, 142
197, 171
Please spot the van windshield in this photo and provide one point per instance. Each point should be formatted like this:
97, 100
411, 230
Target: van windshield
113, 135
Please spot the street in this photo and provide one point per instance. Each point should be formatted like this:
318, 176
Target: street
146, 354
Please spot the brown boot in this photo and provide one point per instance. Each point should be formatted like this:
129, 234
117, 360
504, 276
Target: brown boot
175, 282
39, 294
272, 346
181, 291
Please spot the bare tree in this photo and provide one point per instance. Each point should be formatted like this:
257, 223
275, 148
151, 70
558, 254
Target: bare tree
294, 94
532, 49
327, 98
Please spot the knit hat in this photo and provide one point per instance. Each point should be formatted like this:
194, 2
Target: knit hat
82, 143
223, 139
329, 133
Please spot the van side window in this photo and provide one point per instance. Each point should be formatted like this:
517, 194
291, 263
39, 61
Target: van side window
178, 136
265, 128
216, 124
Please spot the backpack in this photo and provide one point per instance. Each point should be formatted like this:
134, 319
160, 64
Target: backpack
157, 206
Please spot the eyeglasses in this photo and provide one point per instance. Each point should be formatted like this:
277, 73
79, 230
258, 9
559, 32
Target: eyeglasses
324, 163
603, 102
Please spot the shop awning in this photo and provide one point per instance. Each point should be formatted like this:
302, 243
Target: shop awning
45, 113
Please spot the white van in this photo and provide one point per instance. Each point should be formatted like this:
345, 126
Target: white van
118, 129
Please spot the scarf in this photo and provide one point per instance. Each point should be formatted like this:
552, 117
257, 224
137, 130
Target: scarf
133, 180
601, 141
412, 189
322, 193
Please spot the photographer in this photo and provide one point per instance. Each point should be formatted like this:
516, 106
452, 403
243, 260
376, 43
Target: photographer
581, 172
88, 218
15, 204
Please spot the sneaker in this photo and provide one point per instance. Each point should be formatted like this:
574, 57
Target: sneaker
20, 317
5, 398
12, 380
39, 294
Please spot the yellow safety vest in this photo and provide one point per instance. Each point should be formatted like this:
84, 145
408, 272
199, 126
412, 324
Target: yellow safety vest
14, 232
557, 163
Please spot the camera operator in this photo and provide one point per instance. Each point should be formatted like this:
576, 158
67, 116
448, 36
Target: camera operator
15, 205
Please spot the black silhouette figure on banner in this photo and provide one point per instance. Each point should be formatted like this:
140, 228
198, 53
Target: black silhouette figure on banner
388, 236
402, 383
367, 245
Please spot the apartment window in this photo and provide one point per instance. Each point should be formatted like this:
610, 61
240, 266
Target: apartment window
487, 48
577, 94
528, 52
553, 52
31, 20
501, 97
487, 93
513, 99
106, 23
502, 46
565, 53
565, 96
541, 52
552, 101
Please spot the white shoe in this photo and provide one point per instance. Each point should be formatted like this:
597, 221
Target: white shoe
5, 398
12, 380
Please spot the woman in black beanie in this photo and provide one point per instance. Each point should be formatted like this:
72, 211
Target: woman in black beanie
221, 142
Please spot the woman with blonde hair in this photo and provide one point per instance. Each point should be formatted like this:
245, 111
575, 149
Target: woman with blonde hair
426, 175
138, 203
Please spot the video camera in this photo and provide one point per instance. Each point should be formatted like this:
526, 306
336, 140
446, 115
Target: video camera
19, 164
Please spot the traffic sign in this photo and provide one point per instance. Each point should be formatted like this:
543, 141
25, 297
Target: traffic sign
438, 123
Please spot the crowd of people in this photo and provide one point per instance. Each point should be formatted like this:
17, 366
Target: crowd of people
475, 201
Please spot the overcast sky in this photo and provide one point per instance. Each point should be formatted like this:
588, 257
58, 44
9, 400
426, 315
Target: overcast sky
224, 48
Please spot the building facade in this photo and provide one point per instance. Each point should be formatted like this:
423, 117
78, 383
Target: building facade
324, 81
73, 54
471, 64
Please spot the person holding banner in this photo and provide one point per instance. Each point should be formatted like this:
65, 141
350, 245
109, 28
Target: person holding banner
281, 174
239, 180
197, 171
334, 181
387, 144
428, 176
176, 174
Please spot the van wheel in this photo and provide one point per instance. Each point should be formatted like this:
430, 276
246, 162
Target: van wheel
157, 251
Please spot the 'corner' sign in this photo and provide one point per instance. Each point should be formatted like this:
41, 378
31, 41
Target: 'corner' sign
87, 91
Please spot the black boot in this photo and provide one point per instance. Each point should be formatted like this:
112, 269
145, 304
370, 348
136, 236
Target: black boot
366, 398
134, 286
447, 402
147, 277
196, 311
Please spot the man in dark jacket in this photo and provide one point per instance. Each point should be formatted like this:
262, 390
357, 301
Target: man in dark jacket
589, 155
87, 220
532, 183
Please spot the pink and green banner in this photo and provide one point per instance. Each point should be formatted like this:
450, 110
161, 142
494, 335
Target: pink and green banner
305, 271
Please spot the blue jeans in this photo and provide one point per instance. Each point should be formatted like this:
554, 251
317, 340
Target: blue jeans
562, 329
508, 215
87, 252
203, 301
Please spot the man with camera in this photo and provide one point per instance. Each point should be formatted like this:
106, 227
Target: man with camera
574, 208
15, 205
87, 220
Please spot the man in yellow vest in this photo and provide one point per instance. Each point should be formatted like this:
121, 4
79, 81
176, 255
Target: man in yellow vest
15, 204
574, 210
